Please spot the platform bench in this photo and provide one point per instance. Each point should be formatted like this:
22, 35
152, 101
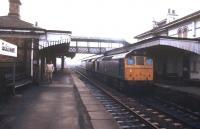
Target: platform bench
21, 79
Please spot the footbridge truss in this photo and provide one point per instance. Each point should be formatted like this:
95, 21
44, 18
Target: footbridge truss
61, 43
94, 45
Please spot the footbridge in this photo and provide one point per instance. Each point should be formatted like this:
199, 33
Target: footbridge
94, 45
61, 43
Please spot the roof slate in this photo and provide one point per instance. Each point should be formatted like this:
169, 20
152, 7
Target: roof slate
15, 23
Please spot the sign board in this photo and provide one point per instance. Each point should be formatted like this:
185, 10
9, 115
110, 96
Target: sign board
8, 49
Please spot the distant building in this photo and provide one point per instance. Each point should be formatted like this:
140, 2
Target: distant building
26, 37
185, 27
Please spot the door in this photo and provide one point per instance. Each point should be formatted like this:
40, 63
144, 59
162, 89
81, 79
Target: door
186, 67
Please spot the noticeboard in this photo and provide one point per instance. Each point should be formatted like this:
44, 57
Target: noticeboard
8, 49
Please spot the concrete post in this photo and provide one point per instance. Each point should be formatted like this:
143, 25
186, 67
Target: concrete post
32, 50
39, 69
54, 63
43, 63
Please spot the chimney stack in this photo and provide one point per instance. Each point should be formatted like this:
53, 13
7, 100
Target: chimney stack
169, 11
36, 24
14, 8
154, 23
173, 12
171, 16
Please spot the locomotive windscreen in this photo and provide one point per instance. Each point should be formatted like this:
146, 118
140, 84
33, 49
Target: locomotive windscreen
149, 61
130, 60
140, 60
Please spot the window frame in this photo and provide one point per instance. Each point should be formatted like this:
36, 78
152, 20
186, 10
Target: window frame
136, 60
147, 59
133, 59
185, 32
179, 33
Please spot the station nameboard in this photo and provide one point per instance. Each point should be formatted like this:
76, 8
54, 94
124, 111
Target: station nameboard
8, 49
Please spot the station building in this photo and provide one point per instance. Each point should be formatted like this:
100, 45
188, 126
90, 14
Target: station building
21, 48
24, 38
178, 54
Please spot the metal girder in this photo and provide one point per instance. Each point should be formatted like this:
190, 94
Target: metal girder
97, 39
88, 50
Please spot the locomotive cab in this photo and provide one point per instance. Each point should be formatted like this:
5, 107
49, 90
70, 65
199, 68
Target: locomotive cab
138, 68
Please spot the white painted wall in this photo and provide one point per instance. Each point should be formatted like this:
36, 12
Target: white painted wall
193, 29
173, 32
198, 33
190, 25
191, 34
198, 23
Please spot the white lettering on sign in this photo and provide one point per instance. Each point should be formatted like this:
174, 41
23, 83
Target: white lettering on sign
8, 49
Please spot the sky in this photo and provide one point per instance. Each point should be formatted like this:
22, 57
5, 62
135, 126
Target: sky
121, 19
100, 18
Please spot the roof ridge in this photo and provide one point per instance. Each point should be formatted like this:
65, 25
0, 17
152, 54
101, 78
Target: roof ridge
12, 22
182, 19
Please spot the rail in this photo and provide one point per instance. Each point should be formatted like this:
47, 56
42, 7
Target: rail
163, 114
140, 117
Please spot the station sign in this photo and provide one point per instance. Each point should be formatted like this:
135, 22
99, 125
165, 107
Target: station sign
8, 49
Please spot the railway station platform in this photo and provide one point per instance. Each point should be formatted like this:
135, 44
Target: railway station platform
185, 95
189, 89
66, 103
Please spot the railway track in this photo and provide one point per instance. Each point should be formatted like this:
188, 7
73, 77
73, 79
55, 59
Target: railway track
164, 113
142, 112
183, 115
126, 118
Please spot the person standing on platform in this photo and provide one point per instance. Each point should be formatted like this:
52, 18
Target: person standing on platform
49, 69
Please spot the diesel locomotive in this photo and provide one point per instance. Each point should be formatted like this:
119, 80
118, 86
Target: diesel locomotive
124, 70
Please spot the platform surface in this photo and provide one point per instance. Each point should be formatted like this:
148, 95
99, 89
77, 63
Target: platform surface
192, 90
48, 106
66, 103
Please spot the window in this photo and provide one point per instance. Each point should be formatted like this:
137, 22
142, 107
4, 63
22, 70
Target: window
149, 61
182, 32
179, 33
139, 60
185, 32
194, 67
130, 60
